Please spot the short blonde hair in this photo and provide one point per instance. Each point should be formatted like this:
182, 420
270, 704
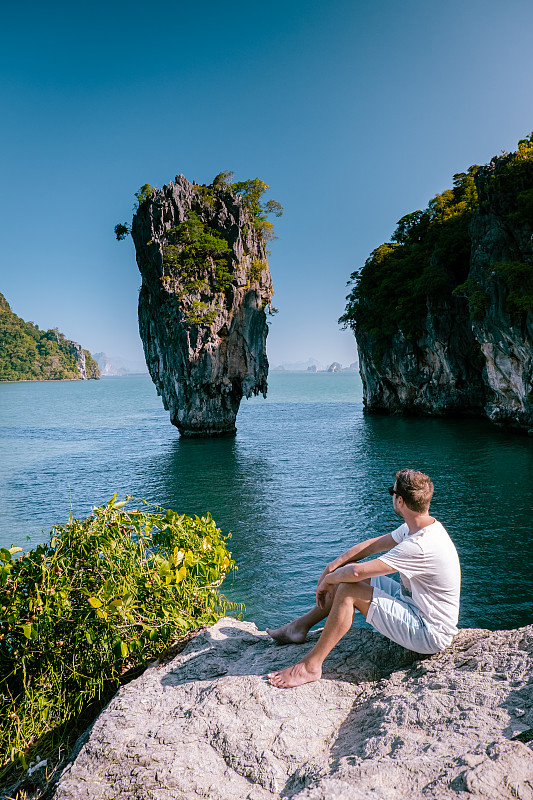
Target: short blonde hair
416, 488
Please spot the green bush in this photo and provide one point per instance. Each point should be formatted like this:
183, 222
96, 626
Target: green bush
476, 296
104, 596
197, 252
518, 277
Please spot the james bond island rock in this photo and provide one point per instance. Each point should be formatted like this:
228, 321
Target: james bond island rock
443, 314
30, 354
382, 723
206, 288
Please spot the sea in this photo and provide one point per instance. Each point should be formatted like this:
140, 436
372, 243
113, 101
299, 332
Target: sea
304, 479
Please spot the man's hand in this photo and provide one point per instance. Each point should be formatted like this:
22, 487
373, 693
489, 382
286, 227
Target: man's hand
323, 591
327, 570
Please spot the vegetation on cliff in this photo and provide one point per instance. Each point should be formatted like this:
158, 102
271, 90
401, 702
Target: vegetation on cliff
29, 354
98, 601
428, 257
197, 259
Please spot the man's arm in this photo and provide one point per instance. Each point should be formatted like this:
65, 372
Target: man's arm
351, 573
360, 551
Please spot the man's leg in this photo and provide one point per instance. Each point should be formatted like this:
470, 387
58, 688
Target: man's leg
295, 632
348, 598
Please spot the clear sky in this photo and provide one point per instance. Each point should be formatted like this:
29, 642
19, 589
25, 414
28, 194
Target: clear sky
355, 113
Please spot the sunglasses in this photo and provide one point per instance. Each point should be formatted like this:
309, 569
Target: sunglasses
392, 491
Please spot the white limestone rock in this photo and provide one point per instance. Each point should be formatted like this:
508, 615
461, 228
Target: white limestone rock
382, 724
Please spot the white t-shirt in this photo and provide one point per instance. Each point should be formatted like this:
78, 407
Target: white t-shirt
431, 575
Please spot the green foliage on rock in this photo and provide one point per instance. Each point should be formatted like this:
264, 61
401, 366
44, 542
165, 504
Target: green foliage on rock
143, 194
257, 267
476, 296
196, 259
518, 277
104, 596
122, 229
29, 354
428, 258
252, 192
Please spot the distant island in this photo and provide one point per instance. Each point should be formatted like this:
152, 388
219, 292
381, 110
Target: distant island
115, 366
312, 365
443, 313
29, 354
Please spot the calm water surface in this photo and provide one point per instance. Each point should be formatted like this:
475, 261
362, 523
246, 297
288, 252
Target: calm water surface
304, 479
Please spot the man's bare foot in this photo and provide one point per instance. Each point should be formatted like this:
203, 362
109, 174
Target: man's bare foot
293, 676
289, 633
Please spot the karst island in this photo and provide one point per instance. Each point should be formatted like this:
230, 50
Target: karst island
206, 291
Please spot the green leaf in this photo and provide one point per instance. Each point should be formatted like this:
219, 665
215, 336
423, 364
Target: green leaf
120, 649
26, 630
164, 569
95, 602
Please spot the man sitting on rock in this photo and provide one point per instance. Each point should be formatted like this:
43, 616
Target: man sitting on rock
420, 613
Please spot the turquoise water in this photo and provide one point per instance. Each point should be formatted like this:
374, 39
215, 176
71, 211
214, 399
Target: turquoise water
305, 477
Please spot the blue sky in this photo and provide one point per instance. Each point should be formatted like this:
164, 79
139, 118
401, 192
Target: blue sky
355, 113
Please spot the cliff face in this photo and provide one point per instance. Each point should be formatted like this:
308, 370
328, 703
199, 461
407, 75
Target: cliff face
382, 723
86, 365
438, 373
202, 305
501, 236
471, 349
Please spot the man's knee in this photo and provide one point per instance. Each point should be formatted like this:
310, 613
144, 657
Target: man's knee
351, 591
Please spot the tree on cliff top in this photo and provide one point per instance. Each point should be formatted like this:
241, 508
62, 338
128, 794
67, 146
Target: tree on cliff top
429, 254
251, 192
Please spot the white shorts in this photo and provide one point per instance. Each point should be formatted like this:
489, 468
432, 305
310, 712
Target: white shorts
395, 616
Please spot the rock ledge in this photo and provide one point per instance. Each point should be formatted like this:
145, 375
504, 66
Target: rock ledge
383, 723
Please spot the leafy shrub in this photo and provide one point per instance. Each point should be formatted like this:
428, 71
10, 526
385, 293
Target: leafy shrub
257, 267
518, 277
476, 295
143, 194
102, 597
199, 313
195, 251
122, 229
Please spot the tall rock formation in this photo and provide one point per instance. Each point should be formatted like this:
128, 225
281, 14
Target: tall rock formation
443, 315
205, 291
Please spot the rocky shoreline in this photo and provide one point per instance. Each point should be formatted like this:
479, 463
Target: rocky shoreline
383, 723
